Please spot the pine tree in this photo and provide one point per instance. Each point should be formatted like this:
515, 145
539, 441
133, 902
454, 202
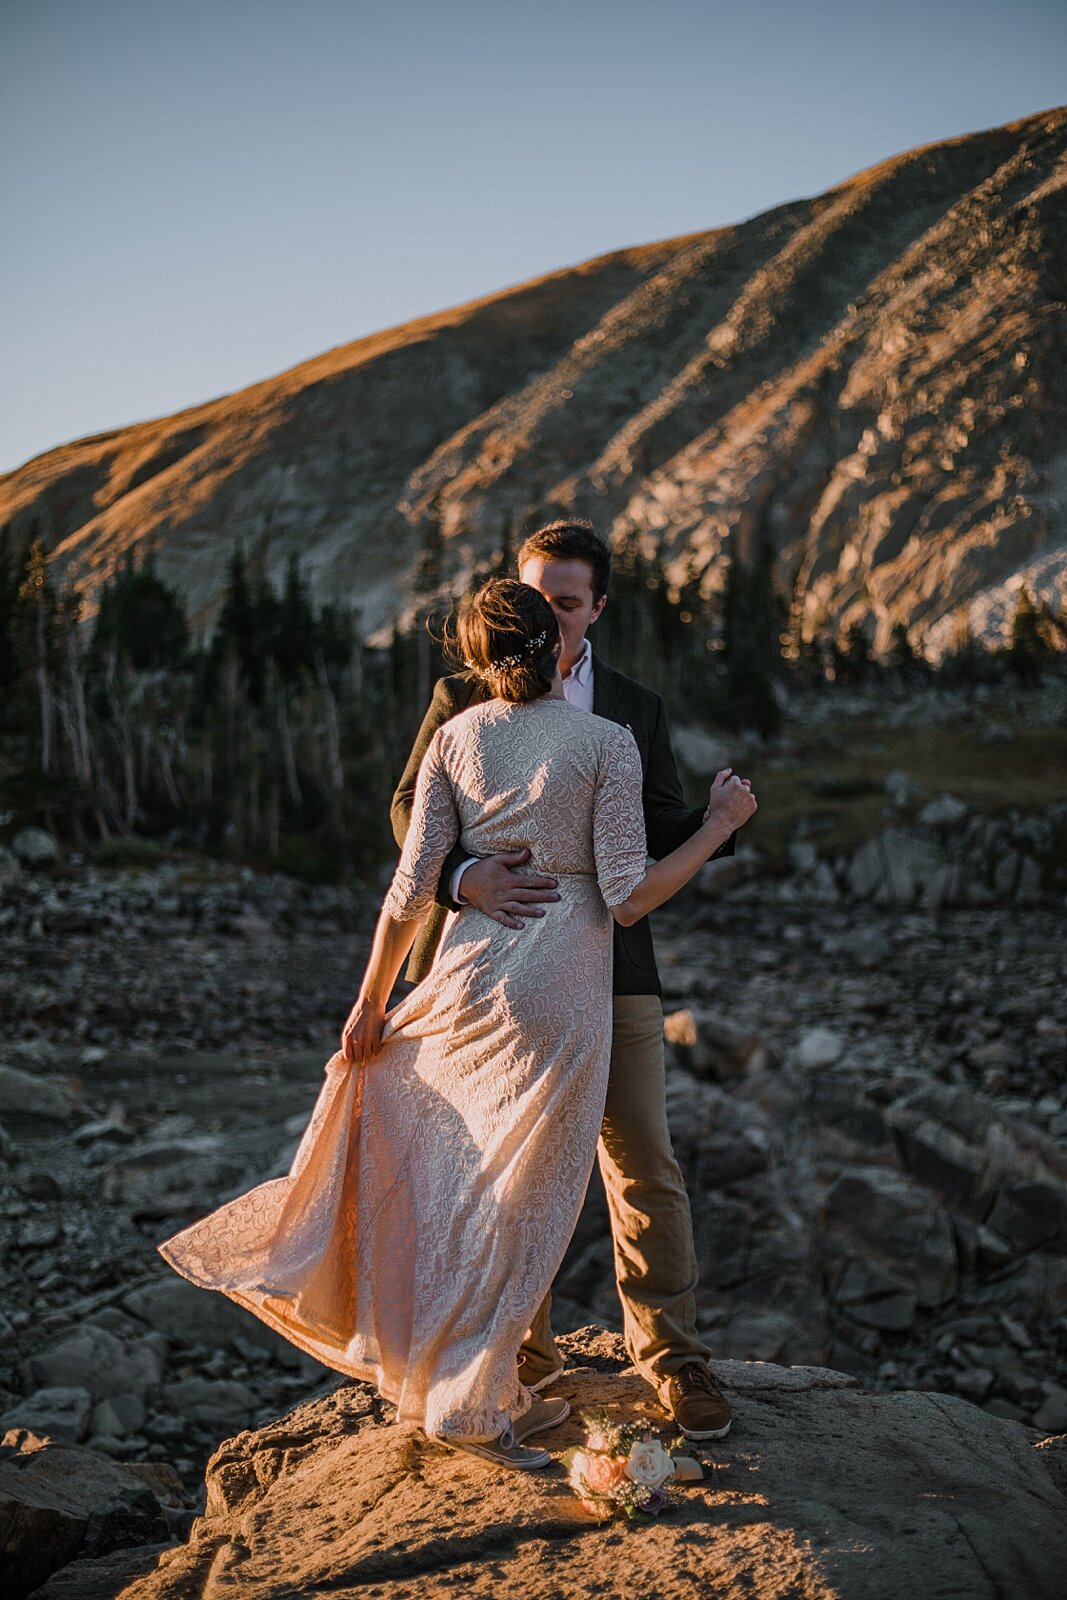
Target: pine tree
851, 655
9, 592
36, 640
294, 641
140, 618
902, 657
752, 623
1027, 650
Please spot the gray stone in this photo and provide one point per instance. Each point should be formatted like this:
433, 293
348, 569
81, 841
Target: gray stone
119, 1415
216, 1401
94, 1359
803, 856
960, 1145
37, 1233
876, 1298
701, 753
170, 1178
1006, 872
887, 1224
894, 868
819, 1047
711, 1046
974, 1382
192, 1316
57, 1413
756, 1335
1031, 1214
26, 1094
944, 812
101, 1577
1052, 1415
59, 1500
34, 847
1028, 885
902, 789
113, 1127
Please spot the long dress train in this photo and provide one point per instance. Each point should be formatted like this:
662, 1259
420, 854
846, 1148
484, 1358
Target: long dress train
434, 1192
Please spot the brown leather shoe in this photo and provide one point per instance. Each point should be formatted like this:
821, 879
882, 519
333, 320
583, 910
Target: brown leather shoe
697, 1404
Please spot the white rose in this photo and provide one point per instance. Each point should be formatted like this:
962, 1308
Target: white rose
579, 1467
649, 1464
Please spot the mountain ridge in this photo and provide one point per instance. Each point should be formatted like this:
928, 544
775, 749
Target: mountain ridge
869, 378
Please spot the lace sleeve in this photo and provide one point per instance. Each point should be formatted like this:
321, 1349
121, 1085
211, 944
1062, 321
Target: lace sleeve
433, 831
618, 820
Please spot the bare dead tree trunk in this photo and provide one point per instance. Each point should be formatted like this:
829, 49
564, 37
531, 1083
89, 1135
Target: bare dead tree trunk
82, 747
254, 782
292, 781
43, 691
273, 821
167, 772
333, 729
124, 737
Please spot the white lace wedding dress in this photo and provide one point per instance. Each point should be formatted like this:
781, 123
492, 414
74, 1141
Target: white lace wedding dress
434, 1192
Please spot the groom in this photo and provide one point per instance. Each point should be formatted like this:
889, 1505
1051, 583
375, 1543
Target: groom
651, 1226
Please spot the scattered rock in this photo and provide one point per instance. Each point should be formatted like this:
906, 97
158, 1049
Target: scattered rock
711, 1046
99, 1361
1052, 1417
100, 1577
902, 789
944, 812
56, 1412
898, 869
200, 1317
819, 1047
119, 1415
24, 1094
171, 1178
59, 1500
216, 1402
34, 847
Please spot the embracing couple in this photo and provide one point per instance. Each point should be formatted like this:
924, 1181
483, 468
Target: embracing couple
438, 1183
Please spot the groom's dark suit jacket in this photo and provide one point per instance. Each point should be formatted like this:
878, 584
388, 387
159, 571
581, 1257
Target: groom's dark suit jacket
668, 820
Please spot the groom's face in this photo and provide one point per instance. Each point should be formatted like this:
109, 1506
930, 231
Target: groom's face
568, 588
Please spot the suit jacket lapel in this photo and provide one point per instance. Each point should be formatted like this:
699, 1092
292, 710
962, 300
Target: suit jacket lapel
607, 699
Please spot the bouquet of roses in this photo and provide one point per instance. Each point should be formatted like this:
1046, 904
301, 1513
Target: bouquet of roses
623, 1469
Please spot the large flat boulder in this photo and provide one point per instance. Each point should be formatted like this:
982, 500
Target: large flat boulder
821, 1490
60, 1502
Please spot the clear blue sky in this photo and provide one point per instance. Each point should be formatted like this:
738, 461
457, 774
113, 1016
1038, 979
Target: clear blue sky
199, 193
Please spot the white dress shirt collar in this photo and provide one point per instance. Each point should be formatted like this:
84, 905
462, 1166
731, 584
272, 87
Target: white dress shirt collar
578, 684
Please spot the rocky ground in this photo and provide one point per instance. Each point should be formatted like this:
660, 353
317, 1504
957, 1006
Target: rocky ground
822, 1491
870, 1105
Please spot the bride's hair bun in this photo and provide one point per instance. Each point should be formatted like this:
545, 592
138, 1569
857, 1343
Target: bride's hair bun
506, 633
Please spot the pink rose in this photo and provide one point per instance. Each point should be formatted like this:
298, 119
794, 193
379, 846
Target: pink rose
604, 1473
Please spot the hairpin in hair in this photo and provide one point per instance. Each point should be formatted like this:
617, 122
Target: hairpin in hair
531, 646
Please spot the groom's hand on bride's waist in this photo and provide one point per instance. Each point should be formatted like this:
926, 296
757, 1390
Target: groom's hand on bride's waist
498, 887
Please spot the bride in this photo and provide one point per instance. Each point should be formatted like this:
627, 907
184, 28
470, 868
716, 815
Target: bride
439, 1180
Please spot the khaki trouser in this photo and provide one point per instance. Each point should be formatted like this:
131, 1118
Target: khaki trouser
651, 1225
